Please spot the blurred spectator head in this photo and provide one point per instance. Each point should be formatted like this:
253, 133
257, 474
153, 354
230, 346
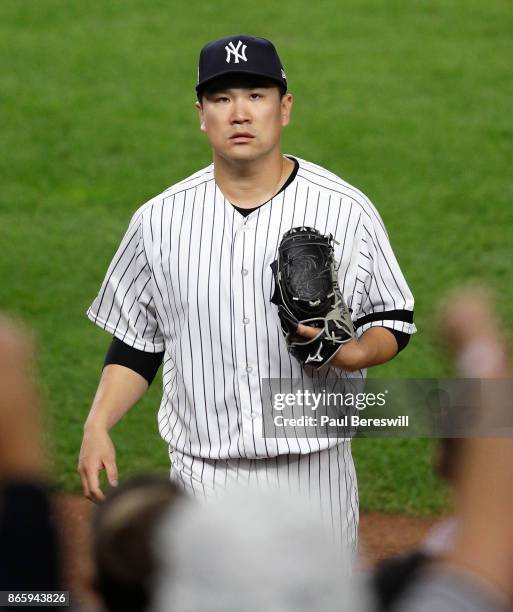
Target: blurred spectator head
251, 550
123, 531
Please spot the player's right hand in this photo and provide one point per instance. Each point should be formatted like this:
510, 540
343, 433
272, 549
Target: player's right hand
96, 453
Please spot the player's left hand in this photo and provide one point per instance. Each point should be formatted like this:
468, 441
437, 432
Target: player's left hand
348, 357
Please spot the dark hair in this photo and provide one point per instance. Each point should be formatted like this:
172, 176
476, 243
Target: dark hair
240, 80
123, 527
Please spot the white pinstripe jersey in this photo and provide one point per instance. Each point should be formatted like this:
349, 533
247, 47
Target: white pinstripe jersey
192, 277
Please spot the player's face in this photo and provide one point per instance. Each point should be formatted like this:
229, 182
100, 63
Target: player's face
244, 124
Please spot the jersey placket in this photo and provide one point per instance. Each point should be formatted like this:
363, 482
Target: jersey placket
244, 332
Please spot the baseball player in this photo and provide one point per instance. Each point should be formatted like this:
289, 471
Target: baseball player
190, 287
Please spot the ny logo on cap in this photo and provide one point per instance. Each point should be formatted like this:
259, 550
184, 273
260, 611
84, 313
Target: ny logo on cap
231, 49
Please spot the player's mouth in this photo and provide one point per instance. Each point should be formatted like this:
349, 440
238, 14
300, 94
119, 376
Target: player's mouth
241, 137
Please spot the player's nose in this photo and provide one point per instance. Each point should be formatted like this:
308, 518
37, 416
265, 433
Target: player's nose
240, 111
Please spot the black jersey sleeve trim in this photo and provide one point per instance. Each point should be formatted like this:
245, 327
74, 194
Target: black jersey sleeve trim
145, 364
386, 315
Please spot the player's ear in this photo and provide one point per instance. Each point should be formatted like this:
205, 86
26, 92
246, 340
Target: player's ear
199, 108
285, 109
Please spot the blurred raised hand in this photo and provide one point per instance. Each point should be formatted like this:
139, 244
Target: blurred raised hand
21, 440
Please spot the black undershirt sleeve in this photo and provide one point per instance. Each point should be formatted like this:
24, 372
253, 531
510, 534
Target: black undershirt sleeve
401, 338
145, 364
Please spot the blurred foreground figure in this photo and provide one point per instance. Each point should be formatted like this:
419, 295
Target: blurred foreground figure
28, 543
253, 551
477, 571
475, 335
392, 576
123, 531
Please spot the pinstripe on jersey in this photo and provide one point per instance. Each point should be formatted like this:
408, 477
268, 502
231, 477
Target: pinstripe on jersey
192, 277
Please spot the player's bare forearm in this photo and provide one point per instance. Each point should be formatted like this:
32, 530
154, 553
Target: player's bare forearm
375, 346
119, 389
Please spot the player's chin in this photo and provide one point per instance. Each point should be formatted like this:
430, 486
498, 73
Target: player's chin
243, 152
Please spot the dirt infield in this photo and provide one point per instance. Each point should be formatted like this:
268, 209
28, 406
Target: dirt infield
381, 535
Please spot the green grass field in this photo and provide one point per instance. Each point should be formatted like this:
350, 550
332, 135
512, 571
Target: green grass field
410, 101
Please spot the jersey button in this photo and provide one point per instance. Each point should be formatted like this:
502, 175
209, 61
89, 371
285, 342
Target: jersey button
249, 369
254, 415
244, 272
245, 320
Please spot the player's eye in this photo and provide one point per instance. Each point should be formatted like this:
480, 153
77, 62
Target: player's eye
255, 95
221, 98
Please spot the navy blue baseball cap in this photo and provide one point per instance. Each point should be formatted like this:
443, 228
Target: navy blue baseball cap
239, 54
